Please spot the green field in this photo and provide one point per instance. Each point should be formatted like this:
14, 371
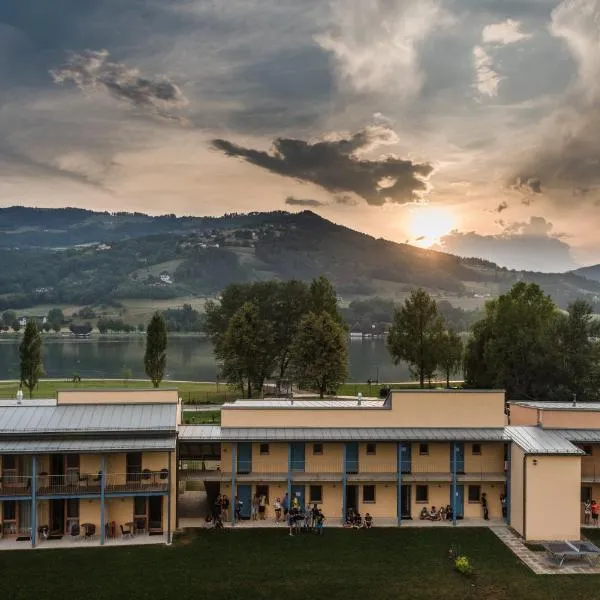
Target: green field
190, 391
212, 417
381, 564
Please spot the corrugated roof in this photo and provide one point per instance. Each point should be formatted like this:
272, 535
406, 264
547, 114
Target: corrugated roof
72, 418
87, 445
591, 406
535, 440
284, 403
324, 434
578, 435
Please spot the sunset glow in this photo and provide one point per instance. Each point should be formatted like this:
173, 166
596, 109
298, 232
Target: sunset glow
428, 224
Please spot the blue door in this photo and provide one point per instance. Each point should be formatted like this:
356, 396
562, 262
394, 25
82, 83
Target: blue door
297, 457
352, 457
244, 494
244, 457
298, 494
459, 504
405, 457
457, 451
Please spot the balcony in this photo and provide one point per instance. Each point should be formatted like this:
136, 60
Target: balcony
12, 485
590, 473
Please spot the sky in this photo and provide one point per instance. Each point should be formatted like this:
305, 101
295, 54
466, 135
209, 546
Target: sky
468, 126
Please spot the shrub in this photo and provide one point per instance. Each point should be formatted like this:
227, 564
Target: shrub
463, 566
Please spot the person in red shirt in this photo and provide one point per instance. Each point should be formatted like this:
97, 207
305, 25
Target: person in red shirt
595, 511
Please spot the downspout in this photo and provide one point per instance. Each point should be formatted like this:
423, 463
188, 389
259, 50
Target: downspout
33, 501
233, 470
454, 453
169, 498
524, 496
102, 507
344, 484
399, 481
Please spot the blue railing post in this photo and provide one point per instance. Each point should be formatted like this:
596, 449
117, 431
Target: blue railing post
344, 484
399, 482
102, 504
33, 501
289, 477
233, 473
454, 457
508, 469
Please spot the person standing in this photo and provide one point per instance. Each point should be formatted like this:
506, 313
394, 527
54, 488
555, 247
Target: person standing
484, 505
238, 508
504, 504
224, 507
587, 512
277, 507
262, 504
595, 510
217, 508
286, 505
255, 502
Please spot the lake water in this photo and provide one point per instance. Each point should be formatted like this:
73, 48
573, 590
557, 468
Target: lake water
188, 358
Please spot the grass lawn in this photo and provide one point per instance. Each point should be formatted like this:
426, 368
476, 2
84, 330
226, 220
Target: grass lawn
191, 391
268, 564
212, 417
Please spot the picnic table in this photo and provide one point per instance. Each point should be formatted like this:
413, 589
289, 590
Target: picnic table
578, 550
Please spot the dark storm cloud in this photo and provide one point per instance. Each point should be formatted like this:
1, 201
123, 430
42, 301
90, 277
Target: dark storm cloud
528, 184
529, 246
337, 167
292, 201
91, 70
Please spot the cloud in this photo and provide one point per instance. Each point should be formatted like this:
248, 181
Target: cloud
527, 185
338, 165
487, 80
502, 206
522, 245
90, 70
507, 32
292, 201
376, 43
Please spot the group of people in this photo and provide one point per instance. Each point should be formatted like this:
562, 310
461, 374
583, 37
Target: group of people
259, 503
591, 510
433, 514
354, 520
305, 519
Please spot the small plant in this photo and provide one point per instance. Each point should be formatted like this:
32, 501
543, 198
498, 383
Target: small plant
463, 566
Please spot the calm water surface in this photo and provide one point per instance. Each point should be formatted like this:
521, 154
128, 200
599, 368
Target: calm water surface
188, 357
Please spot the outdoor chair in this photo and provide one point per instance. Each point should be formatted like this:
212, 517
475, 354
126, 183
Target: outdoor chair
125, 533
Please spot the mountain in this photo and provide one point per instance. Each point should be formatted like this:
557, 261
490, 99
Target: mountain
592, 273
75, 256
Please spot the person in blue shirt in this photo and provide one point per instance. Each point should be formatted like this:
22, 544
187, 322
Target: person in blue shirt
285, 505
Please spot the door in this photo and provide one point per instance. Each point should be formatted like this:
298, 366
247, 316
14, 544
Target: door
352, 457
57, 516
459, 505
155, 513
405, 457
405, 500
297, 456
457, 450
244, 494
352, 498
244, 457
298, 495
134, 466
57, 465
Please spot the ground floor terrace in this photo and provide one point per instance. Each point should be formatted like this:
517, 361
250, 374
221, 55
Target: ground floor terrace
257, 565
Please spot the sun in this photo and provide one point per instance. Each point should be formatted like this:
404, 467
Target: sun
428, 224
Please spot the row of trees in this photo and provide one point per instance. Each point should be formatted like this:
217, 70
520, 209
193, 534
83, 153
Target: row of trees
289, 329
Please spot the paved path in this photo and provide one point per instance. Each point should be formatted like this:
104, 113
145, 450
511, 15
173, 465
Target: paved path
539, 562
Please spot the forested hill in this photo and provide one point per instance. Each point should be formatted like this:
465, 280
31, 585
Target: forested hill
74, 256
592, 273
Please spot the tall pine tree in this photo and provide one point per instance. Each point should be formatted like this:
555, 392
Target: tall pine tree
30, 353
155, 358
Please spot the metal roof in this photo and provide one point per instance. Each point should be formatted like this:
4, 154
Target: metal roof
189, 433
76, 418
29, 402
87, 445
590, 406
535, 440
578, 435
295, 403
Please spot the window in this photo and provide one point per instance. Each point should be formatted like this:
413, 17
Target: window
263, 490
264, 449
316, 494
9, 462
369, 494
9, 511
318, 449
140, 513
422, 493
474, 493
587, 448
371, 448
476, 449
134, 466
586, 494
424, 449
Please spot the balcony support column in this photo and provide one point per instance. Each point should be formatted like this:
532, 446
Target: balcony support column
508, 469
169, 499
102, 507
399, 483
289, 477
233, 472
344, 484
454, 451
33, 501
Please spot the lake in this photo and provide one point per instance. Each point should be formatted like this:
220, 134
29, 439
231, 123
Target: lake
188, 358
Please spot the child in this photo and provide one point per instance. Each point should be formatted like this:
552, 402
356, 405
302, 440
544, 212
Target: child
320, 522
368, 521
587, 512
277, 507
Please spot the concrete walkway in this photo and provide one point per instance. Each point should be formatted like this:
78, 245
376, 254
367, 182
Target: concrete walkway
539, 562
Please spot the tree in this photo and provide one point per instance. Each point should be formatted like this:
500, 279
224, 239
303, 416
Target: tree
16, 326
46, 327
30, 354
320, 353
127, 374
9, 317
450, 354
247, 350
323, 298
155, 358
55, 318
415, 335
513, 345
